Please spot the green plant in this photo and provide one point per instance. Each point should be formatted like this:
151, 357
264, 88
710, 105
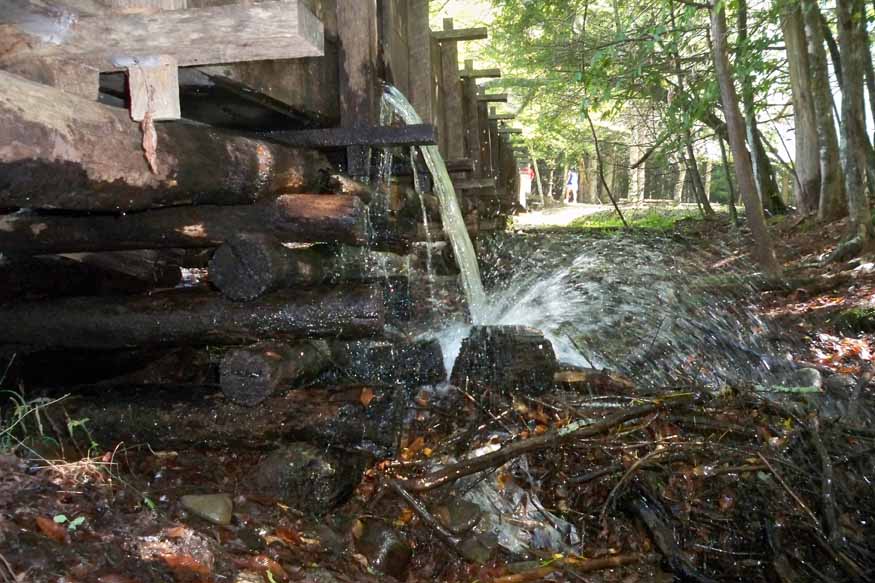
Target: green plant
72, 525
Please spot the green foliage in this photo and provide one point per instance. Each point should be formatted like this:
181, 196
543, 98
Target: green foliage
654, 219
72, 525
857, 319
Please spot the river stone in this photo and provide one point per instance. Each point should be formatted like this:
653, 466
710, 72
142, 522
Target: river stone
507, 358
459, 515
308, 478
215, 508
383, 546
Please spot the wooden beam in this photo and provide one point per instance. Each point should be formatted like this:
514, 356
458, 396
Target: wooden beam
70, 77
493, 97
220, 34
503, 116
469, 72
508, 131
412, 135
461, 165
460, 34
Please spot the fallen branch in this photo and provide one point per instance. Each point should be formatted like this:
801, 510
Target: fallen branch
448, 538
575, 430
574, 564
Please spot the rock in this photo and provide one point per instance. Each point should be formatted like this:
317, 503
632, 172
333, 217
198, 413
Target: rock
215, 508
459, 515
319, 575
308, 478
802, 377
383, 546
839, 382
507, 358
478, 548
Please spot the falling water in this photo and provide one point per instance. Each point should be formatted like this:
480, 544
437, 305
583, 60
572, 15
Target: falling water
429, 260
451, 214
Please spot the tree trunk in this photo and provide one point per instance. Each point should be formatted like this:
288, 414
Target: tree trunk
191, 317
296, 217
763, 251
681, 183
538, 181
65, 152
727, 172
831, 194
852, 30
807, 158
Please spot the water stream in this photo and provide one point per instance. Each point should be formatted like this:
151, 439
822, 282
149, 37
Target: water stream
451, 214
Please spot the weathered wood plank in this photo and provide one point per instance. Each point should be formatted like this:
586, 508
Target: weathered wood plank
61, 151
485, 141
220, 34
412, 135
451, 88
508, 131
69, 77
481, 73
420, 90
472, 122
448, 35
154, 89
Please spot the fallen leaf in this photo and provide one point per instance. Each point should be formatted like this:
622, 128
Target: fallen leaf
185, 565
288, 535
52, 529
264, 564
177, 532
366, 396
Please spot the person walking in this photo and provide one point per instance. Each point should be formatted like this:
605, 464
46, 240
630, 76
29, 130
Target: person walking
571, 186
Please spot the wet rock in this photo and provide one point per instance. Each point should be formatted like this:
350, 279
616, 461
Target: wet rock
308, 478
508, 358
387, 363
215, 508
459, 515
839, 382
383, 546
478, 548
802, 377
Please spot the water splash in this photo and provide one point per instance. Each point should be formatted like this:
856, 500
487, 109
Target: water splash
642, 306
451, 214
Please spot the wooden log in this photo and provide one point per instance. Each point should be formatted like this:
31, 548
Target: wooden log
66, 369
386, 363
411, 135
160, 270
358, 417
248, 376
505, 358
250, 265
449, 34
60, 151
70, 77
196, 36
192, 317
55, 276
291, 218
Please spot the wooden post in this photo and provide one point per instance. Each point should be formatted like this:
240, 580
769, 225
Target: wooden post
420, 52
154, 88
472, 119
487, 169
359, 98
451, 87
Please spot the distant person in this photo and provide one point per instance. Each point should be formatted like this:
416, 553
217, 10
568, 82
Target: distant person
526, 177
571, 186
